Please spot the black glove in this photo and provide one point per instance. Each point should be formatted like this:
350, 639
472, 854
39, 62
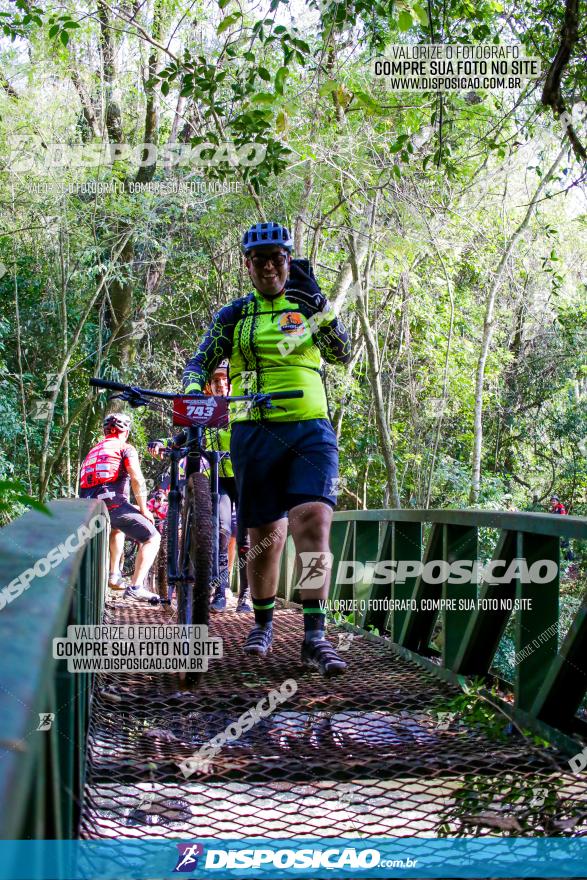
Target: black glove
302, 288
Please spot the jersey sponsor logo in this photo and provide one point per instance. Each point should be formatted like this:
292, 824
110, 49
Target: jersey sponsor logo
291, 323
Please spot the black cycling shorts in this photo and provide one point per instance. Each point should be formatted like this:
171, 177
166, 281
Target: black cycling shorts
278, 465
131, 521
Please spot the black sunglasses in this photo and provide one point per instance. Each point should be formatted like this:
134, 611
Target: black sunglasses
261, 260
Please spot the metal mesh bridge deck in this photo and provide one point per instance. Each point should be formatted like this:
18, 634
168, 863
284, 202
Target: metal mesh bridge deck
368, 753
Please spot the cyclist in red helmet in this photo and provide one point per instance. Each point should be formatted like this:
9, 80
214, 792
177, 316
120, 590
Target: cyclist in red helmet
107, 472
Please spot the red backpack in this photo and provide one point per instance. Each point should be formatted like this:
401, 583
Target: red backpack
102, 463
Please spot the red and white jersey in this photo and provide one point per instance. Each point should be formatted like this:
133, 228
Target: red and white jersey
104, 471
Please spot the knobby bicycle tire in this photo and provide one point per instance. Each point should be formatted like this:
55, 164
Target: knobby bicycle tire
162, 580
129, 557
183, 587
172, 528
199, 503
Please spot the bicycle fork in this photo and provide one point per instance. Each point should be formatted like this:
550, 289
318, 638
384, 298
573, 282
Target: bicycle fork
173, 511
214, 458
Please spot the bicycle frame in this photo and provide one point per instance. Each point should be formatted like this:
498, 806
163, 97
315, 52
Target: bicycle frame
194, 450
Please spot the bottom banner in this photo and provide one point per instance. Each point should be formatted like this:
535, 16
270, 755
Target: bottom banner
303, 857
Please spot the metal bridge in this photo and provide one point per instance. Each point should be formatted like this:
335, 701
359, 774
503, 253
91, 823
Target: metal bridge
423, 737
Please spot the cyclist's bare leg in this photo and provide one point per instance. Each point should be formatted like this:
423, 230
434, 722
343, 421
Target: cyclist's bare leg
309, 525
145, 558
263, 573
263, 570
116, 550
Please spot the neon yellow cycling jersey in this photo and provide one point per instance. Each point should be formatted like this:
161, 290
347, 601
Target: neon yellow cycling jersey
273, 345
218, 439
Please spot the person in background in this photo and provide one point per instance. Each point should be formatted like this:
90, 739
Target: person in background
157, 504
107, 472
556, 506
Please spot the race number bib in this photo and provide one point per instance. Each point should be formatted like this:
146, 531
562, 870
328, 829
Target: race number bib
211, 412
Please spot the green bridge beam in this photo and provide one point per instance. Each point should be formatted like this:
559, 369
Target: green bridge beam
41, 772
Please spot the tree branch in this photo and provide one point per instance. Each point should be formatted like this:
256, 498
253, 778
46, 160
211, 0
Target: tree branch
551, 93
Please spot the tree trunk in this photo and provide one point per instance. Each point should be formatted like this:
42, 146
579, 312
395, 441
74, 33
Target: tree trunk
64, 347
357, 347
444, 377
21, 383
488, 328
43, 472
373, 368
93, 125
146, 172
113, 117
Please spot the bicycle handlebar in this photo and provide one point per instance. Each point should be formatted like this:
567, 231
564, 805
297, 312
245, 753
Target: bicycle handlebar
118, 386
106, 383
274, 395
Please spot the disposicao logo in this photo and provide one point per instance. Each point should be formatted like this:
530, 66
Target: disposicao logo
187, 859
304, 858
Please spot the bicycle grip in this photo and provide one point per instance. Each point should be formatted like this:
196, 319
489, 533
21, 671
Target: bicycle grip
106, 383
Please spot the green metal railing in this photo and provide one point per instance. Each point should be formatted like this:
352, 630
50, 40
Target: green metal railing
42, 770
549, 683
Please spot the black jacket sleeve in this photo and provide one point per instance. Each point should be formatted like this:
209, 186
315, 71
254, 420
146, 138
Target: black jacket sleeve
330, 334
216, 345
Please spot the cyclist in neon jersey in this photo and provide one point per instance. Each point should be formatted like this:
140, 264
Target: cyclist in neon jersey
285, 459
106, 472
219, 439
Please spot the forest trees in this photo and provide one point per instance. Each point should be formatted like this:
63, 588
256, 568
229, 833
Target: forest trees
449, 229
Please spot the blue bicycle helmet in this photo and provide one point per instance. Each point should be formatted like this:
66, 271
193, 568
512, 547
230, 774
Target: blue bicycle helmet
262, 234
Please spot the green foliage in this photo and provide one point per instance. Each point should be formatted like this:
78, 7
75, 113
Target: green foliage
334, 139
510, 804
473, 709
13, 498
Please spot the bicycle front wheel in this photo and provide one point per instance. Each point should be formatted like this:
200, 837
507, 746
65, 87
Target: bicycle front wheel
197, 550
129, 557
161, 563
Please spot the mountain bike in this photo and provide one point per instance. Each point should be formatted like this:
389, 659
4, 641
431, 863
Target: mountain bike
192, 560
